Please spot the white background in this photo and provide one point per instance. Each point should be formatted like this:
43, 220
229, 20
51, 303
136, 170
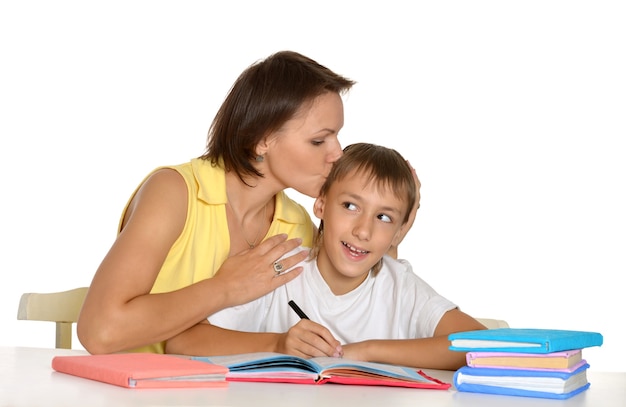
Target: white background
513, 114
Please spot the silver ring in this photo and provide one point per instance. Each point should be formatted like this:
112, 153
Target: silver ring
278, 267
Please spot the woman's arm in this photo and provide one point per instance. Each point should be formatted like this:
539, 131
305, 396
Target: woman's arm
119, 313
426, 353
305, 339
194, 341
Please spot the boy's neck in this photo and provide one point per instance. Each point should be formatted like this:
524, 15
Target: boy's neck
337, 282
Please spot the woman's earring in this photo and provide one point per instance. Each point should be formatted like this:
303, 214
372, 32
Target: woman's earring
259, 158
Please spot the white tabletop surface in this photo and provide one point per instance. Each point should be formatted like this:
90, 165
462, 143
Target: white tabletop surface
26, 379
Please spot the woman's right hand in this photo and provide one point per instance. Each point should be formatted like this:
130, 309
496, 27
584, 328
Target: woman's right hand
250, 274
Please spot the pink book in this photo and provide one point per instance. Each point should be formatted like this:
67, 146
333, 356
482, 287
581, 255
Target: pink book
143, 370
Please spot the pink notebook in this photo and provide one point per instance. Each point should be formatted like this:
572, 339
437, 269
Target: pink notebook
143, 370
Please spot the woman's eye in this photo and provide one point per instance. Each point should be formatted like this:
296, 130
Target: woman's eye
317, 142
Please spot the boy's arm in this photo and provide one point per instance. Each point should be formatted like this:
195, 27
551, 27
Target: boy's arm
425, 353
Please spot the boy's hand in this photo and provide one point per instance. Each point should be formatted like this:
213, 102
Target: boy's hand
308, 339
356, 351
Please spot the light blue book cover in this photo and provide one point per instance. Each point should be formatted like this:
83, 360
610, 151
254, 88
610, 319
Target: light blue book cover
523, 340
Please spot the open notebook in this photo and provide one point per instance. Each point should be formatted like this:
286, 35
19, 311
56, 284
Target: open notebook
277, 367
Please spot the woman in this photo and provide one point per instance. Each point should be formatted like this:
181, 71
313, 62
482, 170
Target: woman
205, 235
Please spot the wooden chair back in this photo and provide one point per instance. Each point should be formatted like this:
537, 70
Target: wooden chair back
59, 307
493, 323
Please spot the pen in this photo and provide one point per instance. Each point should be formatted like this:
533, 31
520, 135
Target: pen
297, 309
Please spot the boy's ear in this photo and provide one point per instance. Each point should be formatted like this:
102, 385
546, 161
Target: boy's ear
318, 207
399, 236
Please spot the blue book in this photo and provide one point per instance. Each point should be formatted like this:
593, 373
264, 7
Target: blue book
525, 383
523, 340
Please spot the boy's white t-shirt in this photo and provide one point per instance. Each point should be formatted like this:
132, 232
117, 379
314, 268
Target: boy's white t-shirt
393, 304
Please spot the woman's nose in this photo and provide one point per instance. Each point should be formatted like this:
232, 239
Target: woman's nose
335, 151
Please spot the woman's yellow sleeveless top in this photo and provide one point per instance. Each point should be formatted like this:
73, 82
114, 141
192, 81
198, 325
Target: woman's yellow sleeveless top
204, 243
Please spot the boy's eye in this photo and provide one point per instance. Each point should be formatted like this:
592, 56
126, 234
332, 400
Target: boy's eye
384, 218
349, 206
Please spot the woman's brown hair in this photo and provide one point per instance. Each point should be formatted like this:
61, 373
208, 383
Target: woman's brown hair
265, 96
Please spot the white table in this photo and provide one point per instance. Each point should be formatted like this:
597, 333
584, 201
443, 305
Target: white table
26, 379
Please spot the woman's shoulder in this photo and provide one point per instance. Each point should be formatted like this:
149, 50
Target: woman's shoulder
165, 175
163, 181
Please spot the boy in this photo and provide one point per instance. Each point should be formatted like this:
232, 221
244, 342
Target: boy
362, 304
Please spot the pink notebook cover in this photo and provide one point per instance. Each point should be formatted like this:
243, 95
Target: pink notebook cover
143, 370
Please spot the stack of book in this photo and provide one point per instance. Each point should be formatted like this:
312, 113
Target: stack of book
545, 363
